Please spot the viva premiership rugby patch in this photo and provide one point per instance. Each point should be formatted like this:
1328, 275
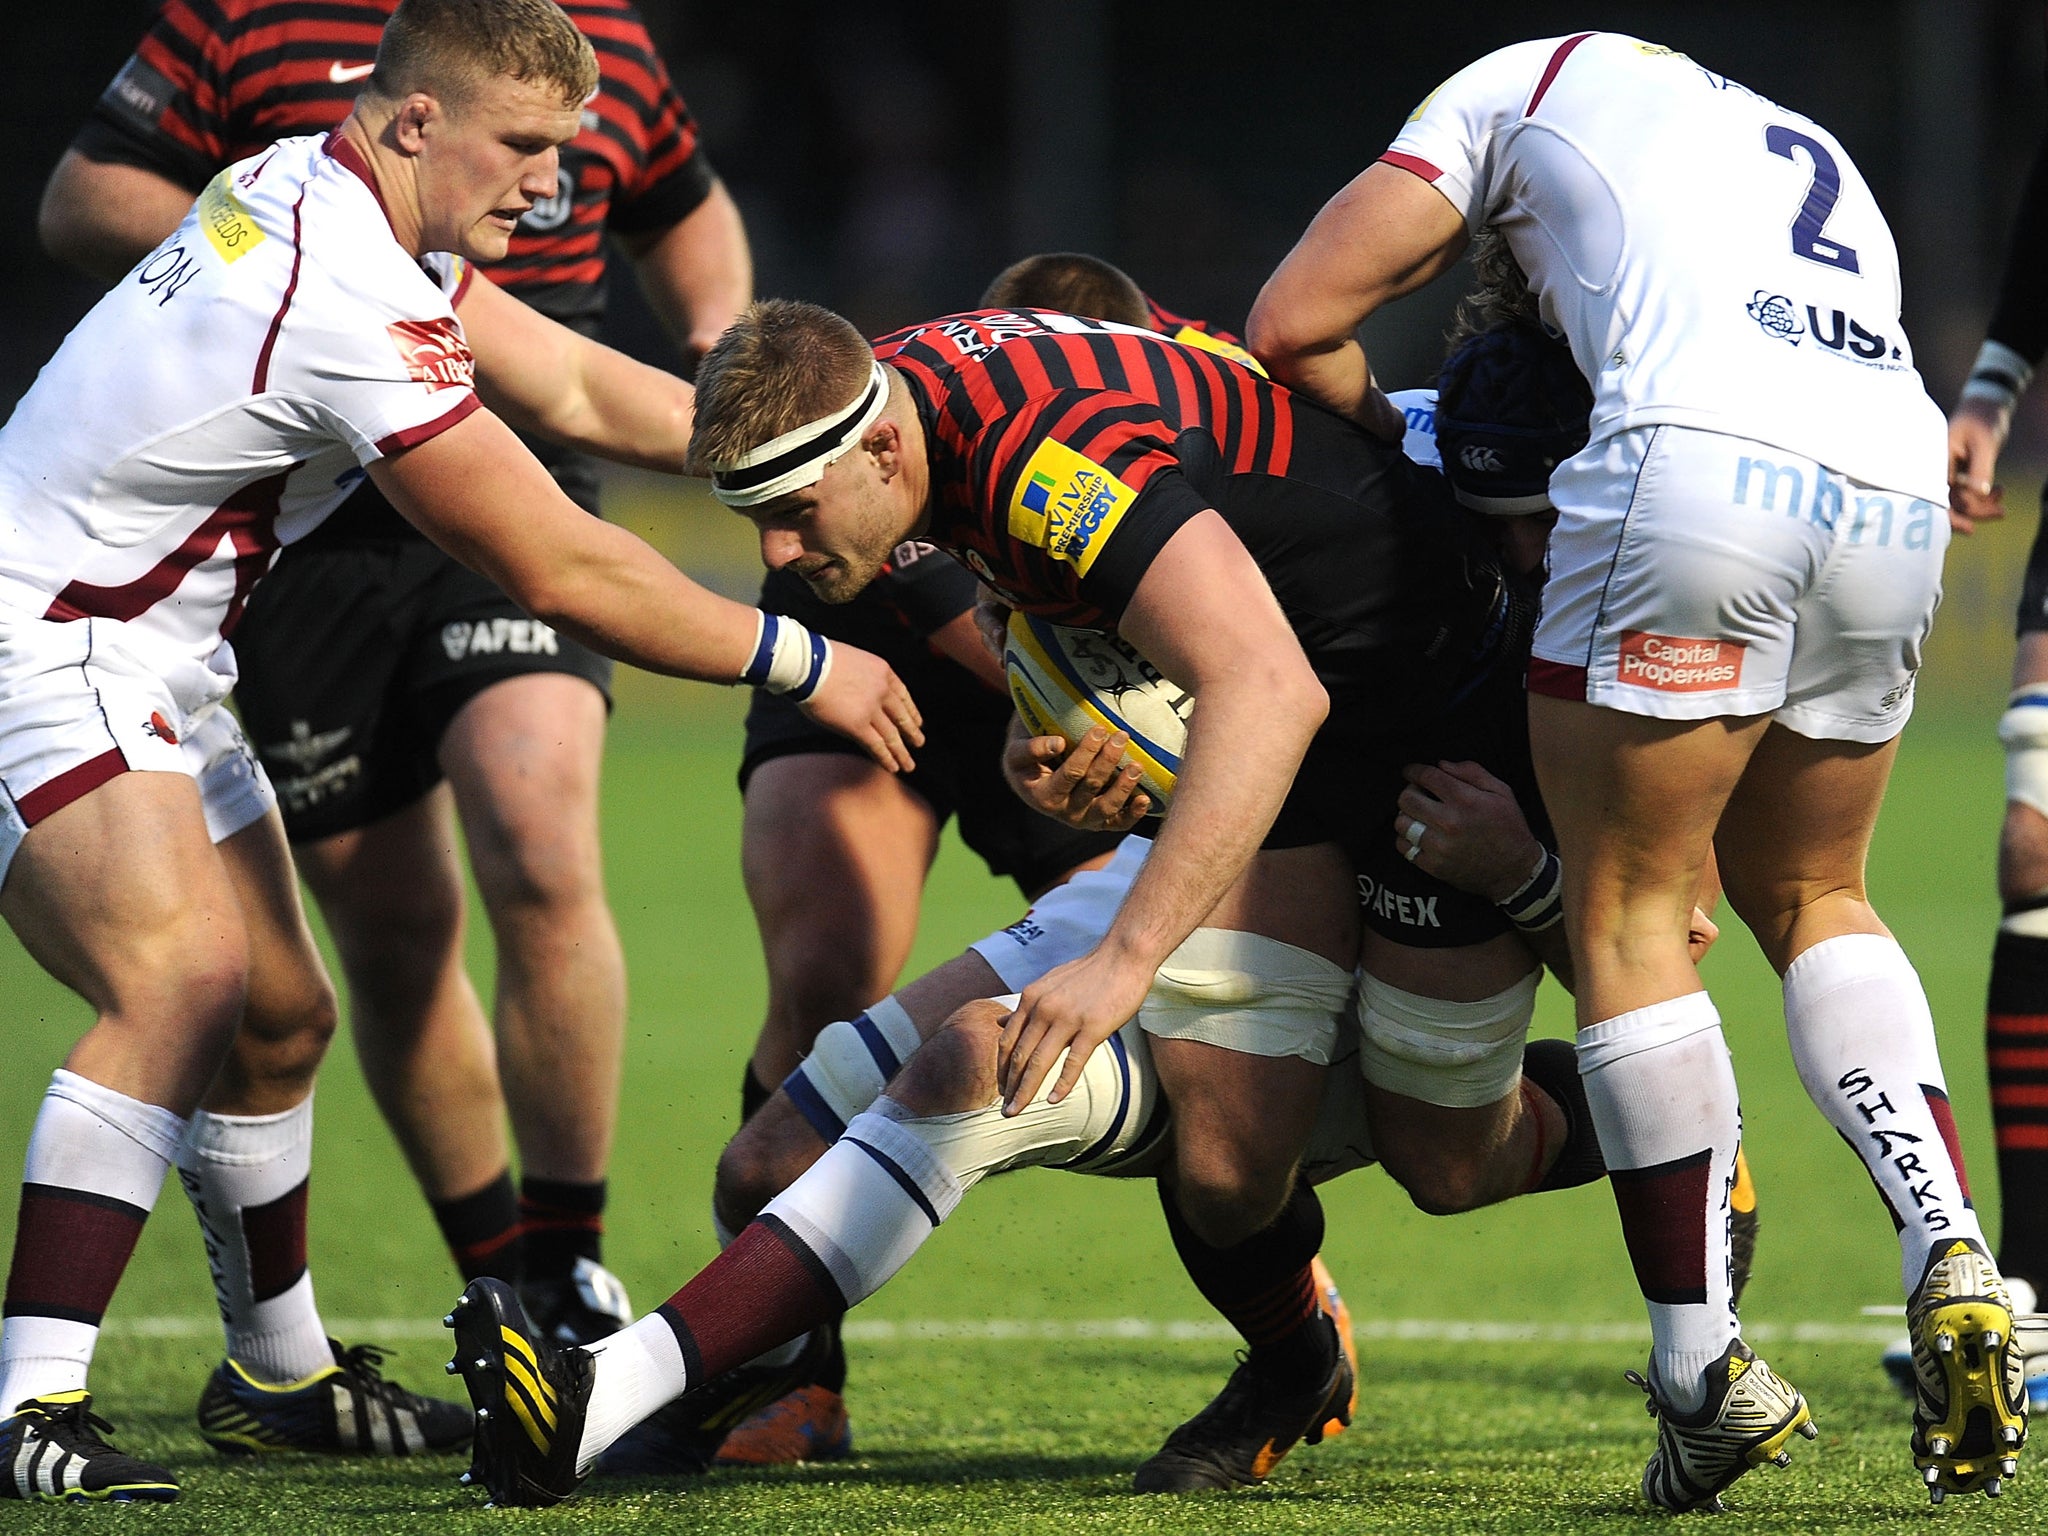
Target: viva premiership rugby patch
230, 228
1068, 505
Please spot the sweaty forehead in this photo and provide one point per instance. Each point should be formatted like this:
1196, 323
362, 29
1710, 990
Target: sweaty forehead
532, 106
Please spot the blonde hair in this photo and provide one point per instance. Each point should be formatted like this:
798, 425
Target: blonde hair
781, 364
448, 48
1074, 283
1500, 290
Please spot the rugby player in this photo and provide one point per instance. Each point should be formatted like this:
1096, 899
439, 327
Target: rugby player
1263, 1407
217, 404
835, 850
2018, 1002
383, 682
1744, 569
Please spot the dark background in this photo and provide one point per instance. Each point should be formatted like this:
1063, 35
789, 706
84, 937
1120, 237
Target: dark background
891, 155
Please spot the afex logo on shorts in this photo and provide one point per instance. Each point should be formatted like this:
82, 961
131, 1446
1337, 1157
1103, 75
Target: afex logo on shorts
435, 353
1676, 664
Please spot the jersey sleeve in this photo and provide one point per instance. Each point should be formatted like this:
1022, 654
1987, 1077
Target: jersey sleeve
1091, 480
167, 110
381, 356
2021, 319
675, 176
1447, 139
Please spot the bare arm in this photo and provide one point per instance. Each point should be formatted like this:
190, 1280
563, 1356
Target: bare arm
546, 379
698, 273
103, 217
477, 493
1204, 616
1384, 235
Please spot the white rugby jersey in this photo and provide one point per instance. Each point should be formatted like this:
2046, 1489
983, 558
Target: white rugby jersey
1715, 260
1418, 416
222, 400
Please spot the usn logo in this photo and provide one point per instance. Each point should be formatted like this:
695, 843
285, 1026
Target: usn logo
1068, 505
1834, 332
434, 352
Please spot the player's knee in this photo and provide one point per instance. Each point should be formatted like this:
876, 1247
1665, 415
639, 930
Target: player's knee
190, 983
770, 1153
1446, 1182
292, 1024
955, 1070
1226, 1199
2022, 853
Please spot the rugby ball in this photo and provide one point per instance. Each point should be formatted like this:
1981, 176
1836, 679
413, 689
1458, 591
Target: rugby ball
1066, 681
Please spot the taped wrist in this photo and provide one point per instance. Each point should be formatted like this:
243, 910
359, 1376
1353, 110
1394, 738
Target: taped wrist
2000, 376
787, 658
1538, 903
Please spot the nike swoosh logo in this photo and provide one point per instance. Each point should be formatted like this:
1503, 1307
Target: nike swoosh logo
342, 74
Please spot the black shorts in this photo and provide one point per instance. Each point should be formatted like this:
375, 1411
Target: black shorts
2033, 615
1351, 779
959, 767
354, 658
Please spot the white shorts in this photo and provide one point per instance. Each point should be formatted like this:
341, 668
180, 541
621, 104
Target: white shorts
1066, 922
77, 708
1694, 575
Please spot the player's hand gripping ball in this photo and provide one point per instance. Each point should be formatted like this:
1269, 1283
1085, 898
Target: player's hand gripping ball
1066, 681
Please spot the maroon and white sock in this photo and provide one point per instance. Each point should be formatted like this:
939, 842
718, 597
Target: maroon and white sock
829, 1241
96, 1161
1663, 1095
246, 1176
1863, 1040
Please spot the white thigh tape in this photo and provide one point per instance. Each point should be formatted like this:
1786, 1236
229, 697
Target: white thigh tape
2023, 729
1246, 992
1457, 1055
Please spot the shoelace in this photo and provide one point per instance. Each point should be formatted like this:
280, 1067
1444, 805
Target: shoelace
364, 1362
83, 1427
1636, 1379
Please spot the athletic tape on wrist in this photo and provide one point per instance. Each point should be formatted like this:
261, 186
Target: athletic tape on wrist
1539, 902
2000, 375
787, 658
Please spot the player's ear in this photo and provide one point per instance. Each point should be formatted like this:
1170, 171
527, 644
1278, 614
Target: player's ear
409, 126
884, 443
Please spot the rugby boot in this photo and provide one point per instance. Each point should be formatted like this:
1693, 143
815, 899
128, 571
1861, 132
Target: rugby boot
685, 1437
1749, 1416
1250, 1427
1741, 1230
1969, 1378
530, 1398
344, 1409
588, 1304
54, 1451
807, 1424
1333, 1305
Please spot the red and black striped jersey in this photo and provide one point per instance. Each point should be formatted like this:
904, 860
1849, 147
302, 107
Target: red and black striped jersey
1055, 447
214, 81
1064, 453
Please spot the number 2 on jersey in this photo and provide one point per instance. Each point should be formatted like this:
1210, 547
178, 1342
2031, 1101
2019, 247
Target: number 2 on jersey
1826, 186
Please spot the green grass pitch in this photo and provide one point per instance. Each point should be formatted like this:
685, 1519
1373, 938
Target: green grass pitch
1518, 1422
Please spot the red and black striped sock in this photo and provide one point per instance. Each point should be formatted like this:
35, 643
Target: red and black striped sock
2016, 1041
560, 1221
1262, 1286
482, 1230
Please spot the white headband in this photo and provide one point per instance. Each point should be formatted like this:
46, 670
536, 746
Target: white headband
801, 457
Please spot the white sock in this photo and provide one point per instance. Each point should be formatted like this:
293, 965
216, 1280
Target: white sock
96, 1161
870, 1202
246, 1176
1863, 1040
1664, 1101
639, 1369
